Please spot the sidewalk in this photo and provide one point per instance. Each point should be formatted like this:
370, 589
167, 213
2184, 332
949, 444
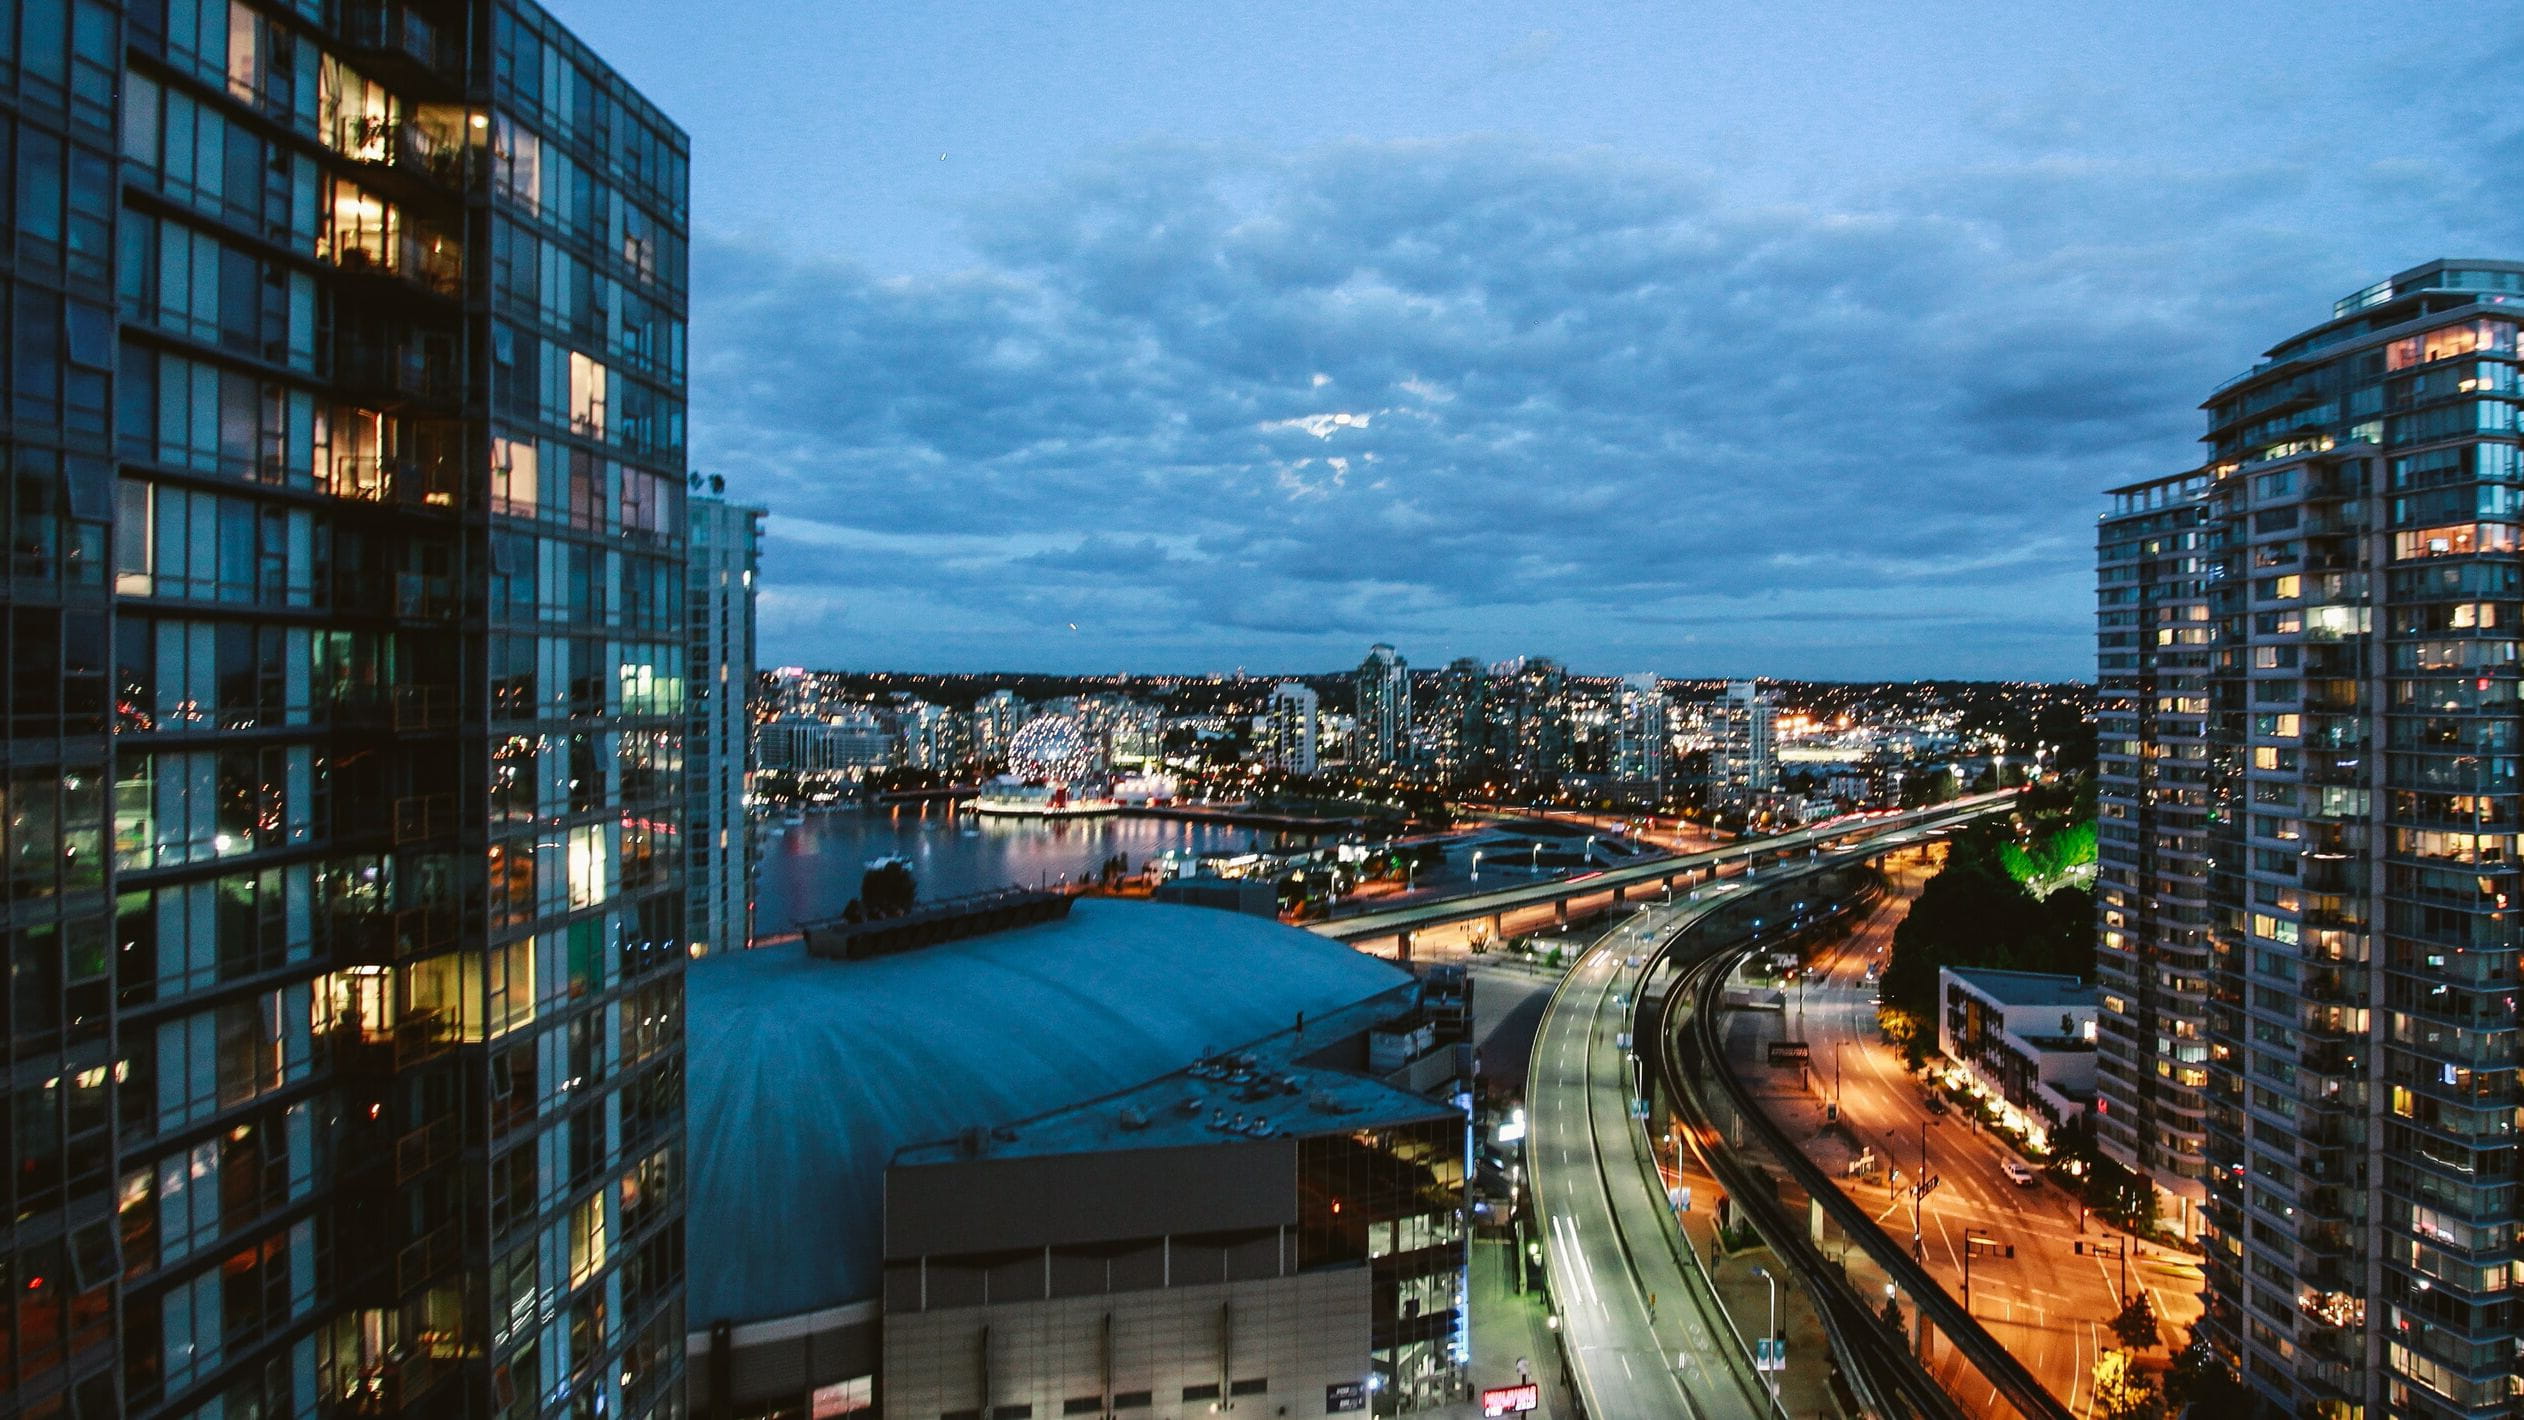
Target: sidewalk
1805, 1387
1507, 1326
2045, 1297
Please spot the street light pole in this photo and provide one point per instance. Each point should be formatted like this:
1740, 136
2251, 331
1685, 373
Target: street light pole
1772, 1376
1970, 1235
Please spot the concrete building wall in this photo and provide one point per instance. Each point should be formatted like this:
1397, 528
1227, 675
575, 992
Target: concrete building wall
1060, 1200
1182, 1347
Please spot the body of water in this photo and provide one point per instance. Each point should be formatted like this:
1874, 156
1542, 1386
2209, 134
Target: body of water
812, 870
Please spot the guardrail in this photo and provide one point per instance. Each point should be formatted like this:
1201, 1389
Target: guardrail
1847, 1341
1641, 875
1856, 1324
1740, 1362
1879, 1373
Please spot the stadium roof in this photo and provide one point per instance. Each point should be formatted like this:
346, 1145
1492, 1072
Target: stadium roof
805, 1076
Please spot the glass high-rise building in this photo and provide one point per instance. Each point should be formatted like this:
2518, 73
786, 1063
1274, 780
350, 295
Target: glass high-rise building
345, 714
1383, 685
2311, 797
1288, 728
720, 848
1641, 750
1458, 731
1746, 762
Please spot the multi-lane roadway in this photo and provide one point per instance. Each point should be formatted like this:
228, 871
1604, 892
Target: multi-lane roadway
2048, 1304
1439, 923
1630, 1308
1625, 1304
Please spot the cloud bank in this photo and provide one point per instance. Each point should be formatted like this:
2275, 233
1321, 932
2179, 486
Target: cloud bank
1223, 408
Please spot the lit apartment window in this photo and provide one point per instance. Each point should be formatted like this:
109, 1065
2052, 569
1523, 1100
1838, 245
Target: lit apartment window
588, 378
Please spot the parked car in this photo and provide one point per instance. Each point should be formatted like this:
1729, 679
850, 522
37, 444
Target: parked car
2018, 1174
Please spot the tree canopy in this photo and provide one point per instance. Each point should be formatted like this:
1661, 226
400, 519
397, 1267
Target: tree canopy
888, 888
1975, 912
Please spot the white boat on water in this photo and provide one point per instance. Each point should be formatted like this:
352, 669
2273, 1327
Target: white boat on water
1012, 798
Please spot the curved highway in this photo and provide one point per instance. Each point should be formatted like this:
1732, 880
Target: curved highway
2009, 1378
1605, 1236
1643, 877
1629, 1309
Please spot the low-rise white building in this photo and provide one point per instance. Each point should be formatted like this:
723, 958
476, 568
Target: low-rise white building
2024, 1039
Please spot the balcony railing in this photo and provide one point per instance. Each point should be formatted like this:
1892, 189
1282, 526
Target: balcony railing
428, 482
396, 37
398, 371
408, 148
418, 817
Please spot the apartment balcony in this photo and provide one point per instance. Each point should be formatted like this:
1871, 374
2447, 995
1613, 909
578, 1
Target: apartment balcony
369, 1050
2181, 954
2334, 944
381, 936
406, 483
418, 598
428, 153
2330, 873
2329, 1165
394, 261
2338, 1383
405, 48
402, 709
418, 818
2326, 1203
397, 372
395, 1386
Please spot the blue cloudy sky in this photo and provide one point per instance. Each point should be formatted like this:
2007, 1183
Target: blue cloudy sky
1786, 338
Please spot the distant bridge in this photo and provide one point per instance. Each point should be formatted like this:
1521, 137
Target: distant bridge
1390, 932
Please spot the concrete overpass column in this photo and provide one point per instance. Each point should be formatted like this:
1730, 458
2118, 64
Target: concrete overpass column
1620, 896
1402, 944
1560, 911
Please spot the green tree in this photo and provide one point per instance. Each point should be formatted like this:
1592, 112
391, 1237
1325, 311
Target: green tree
2201, 1379
2136, 1325
1974, 912
2122, 1391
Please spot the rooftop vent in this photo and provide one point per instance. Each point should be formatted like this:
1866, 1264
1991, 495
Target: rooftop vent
1135, 1118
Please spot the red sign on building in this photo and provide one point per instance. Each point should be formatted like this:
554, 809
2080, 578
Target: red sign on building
1511, 1399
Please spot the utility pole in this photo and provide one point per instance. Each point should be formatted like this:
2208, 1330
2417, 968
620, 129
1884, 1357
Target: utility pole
1975, 1239
1919, 1196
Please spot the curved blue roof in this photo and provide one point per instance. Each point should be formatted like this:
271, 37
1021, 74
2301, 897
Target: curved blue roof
803, 1077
